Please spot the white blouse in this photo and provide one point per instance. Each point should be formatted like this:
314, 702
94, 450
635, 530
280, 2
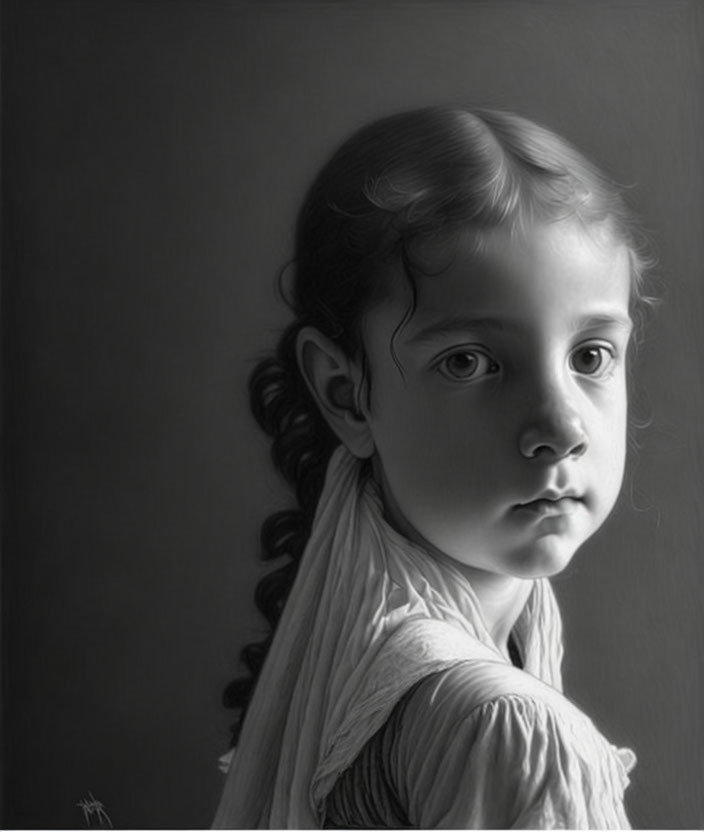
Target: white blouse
484, 746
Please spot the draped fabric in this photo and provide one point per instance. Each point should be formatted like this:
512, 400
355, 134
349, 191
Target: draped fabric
369, 616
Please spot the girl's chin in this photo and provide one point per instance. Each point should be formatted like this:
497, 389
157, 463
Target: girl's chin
543, 557
549, 555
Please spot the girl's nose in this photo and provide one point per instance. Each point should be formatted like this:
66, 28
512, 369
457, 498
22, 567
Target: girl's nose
552, 434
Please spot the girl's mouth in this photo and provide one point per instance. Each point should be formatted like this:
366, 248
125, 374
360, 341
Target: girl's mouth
550, 507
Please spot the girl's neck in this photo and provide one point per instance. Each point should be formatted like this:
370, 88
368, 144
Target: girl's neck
501, 598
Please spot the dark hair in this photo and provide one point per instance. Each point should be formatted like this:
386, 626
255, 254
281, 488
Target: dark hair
398, 181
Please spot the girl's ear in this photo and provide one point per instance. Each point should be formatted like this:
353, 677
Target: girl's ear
337, 385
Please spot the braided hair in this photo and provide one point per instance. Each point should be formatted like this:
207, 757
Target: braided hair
404, 179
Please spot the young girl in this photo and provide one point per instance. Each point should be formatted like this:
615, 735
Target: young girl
450, 406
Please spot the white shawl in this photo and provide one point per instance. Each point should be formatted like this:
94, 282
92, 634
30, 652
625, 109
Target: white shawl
369, 615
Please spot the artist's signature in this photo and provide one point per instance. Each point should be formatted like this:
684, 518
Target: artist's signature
92, 807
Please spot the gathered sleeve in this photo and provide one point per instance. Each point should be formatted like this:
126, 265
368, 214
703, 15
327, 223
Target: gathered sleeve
526, 760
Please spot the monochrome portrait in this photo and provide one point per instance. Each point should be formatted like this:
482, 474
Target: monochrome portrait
352, 391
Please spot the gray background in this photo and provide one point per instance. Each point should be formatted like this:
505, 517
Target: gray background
154, 157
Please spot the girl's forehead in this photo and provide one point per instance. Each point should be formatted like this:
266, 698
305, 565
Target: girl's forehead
566, 238
503, 272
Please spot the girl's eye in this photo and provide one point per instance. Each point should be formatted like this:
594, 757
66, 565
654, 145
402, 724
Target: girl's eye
592, 360
466, 365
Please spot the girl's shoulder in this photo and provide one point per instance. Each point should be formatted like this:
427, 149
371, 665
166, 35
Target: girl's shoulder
479, 745
463, 690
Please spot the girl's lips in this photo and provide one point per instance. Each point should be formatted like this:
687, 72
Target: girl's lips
549, 507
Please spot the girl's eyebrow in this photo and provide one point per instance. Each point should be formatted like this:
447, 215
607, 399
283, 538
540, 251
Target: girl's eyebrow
609, 319
460, 324
457, 324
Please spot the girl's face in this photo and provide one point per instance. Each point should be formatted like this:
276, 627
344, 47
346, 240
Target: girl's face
502, 441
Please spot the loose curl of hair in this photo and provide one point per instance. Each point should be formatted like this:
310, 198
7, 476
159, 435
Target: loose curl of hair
397, 182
